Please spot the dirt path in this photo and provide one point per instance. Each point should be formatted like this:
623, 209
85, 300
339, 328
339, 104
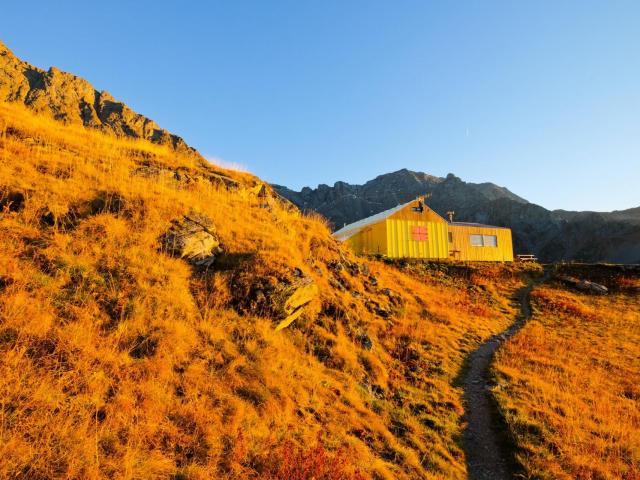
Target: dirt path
487, 457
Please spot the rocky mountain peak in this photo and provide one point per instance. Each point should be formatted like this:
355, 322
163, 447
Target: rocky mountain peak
406, 175
452, 178
73, 100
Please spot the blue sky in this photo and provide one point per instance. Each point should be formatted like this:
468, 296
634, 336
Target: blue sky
542, 97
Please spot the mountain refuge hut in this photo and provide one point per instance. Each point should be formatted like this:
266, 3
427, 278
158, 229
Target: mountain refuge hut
413, 230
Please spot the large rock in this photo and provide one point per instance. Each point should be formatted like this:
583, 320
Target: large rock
277, 296
584, 285
192, 237
289, 300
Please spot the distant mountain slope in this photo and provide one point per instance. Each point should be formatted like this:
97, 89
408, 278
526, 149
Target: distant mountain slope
552, 235
73, 100
346, 203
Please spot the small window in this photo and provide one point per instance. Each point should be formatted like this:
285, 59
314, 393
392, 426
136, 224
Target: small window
483, 240
490, 240
450, 237
476, 240
419, 233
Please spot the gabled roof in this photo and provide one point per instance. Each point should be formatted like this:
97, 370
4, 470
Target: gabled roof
350, 230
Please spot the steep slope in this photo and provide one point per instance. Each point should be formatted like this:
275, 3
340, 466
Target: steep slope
552, 235
73, 100
140, 291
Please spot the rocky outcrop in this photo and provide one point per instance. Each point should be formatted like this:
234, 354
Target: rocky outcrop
194, 238
184, 176
584, 285
551, 235
288, 301
73, 100
280, 296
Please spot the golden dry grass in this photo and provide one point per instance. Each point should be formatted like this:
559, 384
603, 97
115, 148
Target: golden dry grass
118, 361
569, 385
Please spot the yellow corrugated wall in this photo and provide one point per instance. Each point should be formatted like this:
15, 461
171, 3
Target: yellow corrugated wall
354, 243
467, 252
400, 244
370, 240
392, 237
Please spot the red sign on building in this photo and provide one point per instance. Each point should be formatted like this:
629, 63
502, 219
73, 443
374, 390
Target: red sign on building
419, 233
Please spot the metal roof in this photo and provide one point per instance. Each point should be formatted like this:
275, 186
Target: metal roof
471, 224
350, 230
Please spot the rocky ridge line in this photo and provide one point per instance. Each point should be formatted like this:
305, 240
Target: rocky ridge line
73, 100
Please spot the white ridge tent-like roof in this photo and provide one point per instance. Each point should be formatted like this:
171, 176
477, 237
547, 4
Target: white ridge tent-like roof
350, 230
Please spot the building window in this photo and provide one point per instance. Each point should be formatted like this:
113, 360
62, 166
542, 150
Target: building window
483, 240
450, 237
419, 233
490, 240
476, 240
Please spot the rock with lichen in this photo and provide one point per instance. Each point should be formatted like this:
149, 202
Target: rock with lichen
194, 238
289, 300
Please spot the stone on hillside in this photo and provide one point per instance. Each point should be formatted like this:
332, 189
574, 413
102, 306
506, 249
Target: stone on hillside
107, 202
272, 294
365, 341
335, 266
221, 180
11, 201
584, 285
184, 176
394, 298
193, 237
148, 171
288, 301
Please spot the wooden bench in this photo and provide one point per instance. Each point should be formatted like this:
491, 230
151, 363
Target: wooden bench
526, 258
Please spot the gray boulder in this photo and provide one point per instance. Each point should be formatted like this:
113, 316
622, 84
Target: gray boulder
288, 301
584, 285
194, 238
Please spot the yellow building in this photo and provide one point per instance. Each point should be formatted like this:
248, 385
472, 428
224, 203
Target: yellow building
475, 242
413, 230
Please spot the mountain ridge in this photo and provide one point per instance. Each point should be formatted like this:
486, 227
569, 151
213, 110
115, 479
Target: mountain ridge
74, 100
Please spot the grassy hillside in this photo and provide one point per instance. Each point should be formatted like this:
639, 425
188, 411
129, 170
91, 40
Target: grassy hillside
119, 360
568, 383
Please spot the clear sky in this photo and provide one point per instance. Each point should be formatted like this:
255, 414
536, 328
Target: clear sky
542, 97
